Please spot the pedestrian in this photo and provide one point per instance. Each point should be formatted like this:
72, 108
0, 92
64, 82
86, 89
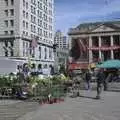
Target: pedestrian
88, 79
100, 81
108, 79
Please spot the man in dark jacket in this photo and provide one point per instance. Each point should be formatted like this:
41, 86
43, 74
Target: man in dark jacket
100, 81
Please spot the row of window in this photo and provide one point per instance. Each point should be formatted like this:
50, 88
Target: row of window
10, 44
33, 20
25, 4
11, 32
25, 24
9, 23
34, 2
25, 14
8, 53
39, 13
40, 31
25, 33
33, 9
9, 2
9, 12
8, 48
27, 51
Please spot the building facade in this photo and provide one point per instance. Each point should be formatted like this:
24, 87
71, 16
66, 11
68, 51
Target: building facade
61, 53
61, 40
93, 43
24, 23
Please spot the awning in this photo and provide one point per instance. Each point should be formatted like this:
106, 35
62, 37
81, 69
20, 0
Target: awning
110, 64
73, 66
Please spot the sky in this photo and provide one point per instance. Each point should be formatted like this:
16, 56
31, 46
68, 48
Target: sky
70, 13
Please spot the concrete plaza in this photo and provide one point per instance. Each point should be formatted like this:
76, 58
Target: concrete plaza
85, 107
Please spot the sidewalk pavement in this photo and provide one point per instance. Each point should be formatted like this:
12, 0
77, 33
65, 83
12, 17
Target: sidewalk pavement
85, 107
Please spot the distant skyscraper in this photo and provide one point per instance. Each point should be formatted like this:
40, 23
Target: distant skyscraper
60, 40
22, 24
61, 55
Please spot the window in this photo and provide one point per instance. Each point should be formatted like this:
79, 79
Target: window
31, 18
33, 2
6, 12
6, 23
26, 5
39, 22
11, 32
34, 29
11, 53
26, 33
6, 32
50, 53
45, 66
26, 15
23, 13
45, 53
6, 43
34, 19
12, 23
12, 2
31, 29
39, 52
40, 6
33, 10
6, 53
6, 2
11, 12
23, 32
11, 43
38, 12
23, 23
39, 31
26, 25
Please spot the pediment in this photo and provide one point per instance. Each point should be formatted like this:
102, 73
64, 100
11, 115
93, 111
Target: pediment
103, 28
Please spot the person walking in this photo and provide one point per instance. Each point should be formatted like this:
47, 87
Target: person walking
100, 82
88, 79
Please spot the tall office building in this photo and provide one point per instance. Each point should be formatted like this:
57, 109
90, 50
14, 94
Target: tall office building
60, 40
61, 54
23, 23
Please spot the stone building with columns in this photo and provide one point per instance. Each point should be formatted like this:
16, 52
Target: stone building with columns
93, 43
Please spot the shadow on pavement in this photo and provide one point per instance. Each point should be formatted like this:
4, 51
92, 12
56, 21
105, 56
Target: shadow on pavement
87, 97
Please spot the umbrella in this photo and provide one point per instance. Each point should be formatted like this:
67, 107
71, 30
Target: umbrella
110, 64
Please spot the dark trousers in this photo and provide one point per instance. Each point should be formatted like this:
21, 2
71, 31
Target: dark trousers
105, 86
99, 89
88, 85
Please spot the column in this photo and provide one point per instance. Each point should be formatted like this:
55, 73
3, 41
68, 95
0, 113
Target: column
111, 40
100, 44
70, 47
90, 51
